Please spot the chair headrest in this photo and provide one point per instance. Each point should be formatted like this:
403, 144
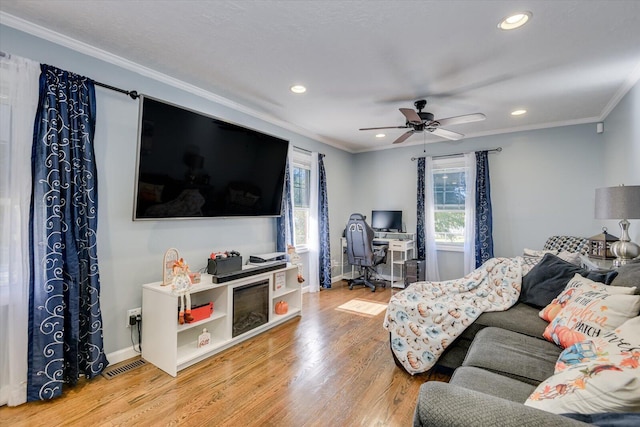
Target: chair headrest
356, 217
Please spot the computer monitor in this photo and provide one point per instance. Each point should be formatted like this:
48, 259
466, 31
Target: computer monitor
386, 220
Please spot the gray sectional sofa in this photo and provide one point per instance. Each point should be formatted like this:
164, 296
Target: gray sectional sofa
499, 360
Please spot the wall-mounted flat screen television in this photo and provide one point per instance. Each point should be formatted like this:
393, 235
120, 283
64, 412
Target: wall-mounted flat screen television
386, 220
191, 165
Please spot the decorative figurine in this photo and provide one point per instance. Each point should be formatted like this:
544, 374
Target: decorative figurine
181, 286
204, 338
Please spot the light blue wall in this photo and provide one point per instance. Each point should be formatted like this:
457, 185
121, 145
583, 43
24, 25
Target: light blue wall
622, 155
542, 184
130, 253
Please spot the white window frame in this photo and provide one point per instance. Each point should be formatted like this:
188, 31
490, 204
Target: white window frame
439, 165
302, 160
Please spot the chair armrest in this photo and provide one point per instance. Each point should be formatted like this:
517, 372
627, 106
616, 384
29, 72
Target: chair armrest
443, 404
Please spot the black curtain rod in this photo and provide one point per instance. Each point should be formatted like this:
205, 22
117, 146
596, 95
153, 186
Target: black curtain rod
133, 94
303, 150
494, 150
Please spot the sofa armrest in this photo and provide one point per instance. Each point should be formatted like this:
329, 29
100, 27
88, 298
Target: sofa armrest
441, 404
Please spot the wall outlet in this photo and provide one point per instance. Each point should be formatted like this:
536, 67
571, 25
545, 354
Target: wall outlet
133, 313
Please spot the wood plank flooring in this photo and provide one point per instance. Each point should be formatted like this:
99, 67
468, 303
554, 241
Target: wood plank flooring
327, 368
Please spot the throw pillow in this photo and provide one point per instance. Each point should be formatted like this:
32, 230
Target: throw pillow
590, 314
540, 253
550, 276
572, 257
575, 286
599, 375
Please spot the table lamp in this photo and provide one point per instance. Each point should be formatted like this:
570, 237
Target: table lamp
623, 203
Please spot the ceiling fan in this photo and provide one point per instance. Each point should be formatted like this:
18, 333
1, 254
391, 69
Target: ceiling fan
422, 121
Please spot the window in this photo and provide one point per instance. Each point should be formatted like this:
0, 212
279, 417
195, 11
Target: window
301, 185
449, 191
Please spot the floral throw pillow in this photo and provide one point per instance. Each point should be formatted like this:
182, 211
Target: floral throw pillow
589, 314
595, 376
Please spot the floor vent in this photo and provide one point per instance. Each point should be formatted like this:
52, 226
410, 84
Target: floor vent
117, 370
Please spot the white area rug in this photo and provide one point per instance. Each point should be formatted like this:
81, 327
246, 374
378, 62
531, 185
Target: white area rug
363, 307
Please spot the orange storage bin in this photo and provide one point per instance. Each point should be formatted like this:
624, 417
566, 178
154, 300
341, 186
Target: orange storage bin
202, 312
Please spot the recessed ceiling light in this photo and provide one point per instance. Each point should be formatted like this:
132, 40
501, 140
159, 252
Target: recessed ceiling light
518, 112
380, 135
514, 21
298, 89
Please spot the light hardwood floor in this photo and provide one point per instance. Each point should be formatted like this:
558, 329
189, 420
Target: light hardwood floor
327, 368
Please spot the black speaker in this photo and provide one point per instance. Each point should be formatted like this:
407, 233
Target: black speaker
414, 271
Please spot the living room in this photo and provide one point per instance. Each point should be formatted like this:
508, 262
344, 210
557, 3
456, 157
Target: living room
542, 182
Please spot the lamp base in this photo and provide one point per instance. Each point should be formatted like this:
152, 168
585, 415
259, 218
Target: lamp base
624, 249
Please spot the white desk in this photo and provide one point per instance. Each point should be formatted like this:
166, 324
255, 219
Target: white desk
404, 247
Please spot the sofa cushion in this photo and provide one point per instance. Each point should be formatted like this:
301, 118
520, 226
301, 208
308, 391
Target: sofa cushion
628, 275
520, 318
501, 386
597, 375
515, 355
550, 276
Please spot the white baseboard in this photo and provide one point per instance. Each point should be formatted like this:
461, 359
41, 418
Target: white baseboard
121, 355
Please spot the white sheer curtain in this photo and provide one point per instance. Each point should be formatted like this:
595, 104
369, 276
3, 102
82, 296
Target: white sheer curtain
314, 242
432, 273
470, 213
19, 85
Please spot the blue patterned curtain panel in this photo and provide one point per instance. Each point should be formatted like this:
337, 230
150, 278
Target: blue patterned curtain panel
65, 322
420, 236
484, 222
323, 226
284, 222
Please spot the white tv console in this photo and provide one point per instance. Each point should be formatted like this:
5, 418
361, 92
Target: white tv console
173, 347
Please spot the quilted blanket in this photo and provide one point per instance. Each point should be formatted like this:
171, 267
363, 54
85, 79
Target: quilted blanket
426, 317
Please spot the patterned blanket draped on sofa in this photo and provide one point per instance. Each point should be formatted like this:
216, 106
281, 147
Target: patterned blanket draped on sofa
427, 316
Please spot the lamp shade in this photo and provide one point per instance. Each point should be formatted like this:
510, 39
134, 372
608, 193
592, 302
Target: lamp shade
621, 202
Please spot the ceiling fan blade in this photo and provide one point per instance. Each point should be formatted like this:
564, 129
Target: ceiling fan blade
467, 118
386, 127
411, 115
404, 136
444, 133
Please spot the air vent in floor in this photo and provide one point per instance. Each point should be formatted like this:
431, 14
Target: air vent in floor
114, 371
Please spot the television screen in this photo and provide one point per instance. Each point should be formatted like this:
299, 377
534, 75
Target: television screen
386, 220
195, 166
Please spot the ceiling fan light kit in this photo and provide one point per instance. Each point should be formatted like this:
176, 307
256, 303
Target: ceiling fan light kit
421, 121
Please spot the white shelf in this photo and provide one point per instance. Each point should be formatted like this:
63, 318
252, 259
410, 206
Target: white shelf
173, 347
215, 315
283, 292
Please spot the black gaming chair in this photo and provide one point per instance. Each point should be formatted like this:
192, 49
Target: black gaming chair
360, 251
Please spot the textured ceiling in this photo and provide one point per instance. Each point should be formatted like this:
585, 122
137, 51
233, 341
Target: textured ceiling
362, 60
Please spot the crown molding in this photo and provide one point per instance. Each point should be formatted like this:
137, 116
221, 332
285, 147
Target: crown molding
629, 83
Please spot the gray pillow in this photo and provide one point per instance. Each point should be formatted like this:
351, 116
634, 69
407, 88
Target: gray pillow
549, 277
629, 276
